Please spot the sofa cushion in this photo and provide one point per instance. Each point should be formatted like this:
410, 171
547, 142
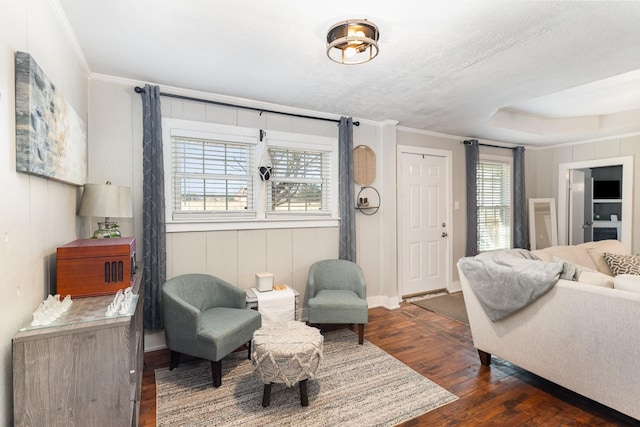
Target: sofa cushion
592, 277
585, 275
596, 251
622, 264
598, 259
574, 254
627, 282
589, 254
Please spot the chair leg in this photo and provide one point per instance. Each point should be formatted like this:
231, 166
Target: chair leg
266, 395
249, 350
175, 360
360, 333
216, 372
485, 358
304, 394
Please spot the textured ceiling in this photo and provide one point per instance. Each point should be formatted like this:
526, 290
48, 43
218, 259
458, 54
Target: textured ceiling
511, 71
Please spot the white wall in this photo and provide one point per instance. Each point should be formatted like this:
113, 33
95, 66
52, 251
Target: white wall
37, 215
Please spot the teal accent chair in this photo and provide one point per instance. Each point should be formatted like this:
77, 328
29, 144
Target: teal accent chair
337, 294
206, 317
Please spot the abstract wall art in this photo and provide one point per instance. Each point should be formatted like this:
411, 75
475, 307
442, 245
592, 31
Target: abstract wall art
51, 138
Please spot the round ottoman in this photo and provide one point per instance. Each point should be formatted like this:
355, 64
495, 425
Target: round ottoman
286, 353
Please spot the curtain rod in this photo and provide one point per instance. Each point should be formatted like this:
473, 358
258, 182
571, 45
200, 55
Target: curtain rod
467, 142
139, 89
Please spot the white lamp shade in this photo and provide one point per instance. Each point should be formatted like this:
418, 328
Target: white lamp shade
106, 200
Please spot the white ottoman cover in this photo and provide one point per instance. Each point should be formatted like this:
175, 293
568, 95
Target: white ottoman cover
286, 352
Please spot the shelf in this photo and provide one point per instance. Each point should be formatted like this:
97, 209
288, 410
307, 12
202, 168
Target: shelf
368, 209
605, 224
607, 200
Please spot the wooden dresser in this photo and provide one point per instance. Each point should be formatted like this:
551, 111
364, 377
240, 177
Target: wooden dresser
83, 369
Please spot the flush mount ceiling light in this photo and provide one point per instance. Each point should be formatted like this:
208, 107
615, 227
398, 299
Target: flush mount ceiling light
353, 41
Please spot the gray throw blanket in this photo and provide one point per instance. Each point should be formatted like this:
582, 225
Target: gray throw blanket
506, 281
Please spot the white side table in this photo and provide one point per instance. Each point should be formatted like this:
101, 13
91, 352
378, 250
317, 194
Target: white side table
252, 300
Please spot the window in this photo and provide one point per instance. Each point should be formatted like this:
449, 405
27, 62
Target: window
211, 176
299, 181
494, 203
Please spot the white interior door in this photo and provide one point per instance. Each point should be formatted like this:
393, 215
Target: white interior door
424, 230
576, 207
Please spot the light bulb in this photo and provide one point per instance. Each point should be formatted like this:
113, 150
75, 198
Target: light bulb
352, 33
350, 52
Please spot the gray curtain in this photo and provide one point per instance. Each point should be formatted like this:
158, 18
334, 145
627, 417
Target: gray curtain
153, 214
520, 217
347, 245
472, 156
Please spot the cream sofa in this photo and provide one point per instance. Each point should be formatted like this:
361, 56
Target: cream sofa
582, 336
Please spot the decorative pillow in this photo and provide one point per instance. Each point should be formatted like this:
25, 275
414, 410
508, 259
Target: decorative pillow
627, 282
622, 264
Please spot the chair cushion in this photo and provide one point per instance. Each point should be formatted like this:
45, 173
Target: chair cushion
336, 274
338, 306
225, 329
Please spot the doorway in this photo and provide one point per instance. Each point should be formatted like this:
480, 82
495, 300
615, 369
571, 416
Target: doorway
569, 222
424, 218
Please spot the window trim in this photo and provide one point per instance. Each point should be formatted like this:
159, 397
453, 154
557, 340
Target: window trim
506, 160
231, 221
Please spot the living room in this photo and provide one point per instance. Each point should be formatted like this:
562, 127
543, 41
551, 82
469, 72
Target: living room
42, 214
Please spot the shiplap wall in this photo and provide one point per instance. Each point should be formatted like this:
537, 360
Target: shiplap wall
237, 255
37, 214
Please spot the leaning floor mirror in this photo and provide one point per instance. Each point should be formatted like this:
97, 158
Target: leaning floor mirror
543, 224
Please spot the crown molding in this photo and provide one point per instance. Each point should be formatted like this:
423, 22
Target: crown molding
69, 34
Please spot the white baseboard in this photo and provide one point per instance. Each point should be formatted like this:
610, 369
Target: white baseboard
154, 340
390, 303
455, 287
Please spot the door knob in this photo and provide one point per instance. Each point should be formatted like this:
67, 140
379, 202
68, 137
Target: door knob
444, 234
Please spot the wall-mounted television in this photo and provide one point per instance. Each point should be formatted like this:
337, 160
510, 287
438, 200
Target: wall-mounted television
607, 189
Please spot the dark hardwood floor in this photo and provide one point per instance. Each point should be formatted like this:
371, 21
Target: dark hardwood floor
442, 350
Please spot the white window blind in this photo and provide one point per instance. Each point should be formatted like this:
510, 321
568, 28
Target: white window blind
299, 181
494, 205
211, 177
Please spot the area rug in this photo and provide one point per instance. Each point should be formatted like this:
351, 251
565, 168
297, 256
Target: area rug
356, 385
448, 305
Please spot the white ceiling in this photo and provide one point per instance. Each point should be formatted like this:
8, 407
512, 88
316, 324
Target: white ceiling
528, 72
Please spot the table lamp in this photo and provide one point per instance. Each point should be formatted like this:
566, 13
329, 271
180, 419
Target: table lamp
106, 200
